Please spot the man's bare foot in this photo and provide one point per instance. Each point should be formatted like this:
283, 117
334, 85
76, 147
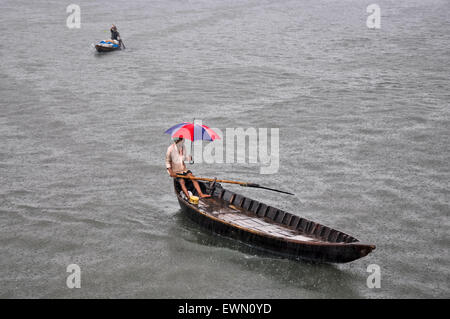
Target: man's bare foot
204, 196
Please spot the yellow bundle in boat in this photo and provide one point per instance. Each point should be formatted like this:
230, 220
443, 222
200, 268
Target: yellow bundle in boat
193, 200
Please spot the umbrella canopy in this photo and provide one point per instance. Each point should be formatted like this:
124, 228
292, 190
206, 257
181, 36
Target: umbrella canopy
193, 132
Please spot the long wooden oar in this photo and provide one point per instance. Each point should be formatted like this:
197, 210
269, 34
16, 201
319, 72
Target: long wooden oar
245, 184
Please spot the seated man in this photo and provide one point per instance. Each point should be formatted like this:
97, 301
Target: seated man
175, 157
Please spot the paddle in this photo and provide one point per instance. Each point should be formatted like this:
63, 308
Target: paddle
121, 42
245, 184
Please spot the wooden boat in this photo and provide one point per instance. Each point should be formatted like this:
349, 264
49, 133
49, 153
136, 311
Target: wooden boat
271, 229
108, 46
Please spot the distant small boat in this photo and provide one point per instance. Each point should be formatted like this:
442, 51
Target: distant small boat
260, 225
108, 46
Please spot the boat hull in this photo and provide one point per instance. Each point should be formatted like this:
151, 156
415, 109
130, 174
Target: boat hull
318, 251
101, 48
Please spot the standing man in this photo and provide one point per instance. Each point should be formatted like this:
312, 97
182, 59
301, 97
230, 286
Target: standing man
175, 157
115, 35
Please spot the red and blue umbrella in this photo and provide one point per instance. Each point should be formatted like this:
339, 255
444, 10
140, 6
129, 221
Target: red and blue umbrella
193, 132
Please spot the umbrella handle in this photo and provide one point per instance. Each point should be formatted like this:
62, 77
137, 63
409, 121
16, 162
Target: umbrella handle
191, 161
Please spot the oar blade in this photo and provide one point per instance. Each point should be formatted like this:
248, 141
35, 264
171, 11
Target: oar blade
270, 189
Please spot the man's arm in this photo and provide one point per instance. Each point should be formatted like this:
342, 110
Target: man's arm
171, 173
169, 163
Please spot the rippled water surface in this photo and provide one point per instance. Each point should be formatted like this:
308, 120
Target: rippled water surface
364, 143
